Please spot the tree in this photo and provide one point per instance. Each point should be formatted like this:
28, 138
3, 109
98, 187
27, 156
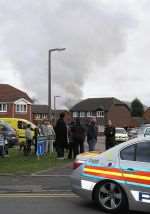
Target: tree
137, 108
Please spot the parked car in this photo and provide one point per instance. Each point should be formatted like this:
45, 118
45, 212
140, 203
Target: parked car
132, 133
144, 131
117, 179
121, 135
9, 133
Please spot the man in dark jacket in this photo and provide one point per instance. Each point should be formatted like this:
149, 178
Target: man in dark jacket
110, 135
92, 135
78, 135
61, 134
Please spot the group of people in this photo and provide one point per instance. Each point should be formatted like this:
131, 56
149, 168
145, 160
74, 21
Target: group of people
71, 135
67, 135
46, 130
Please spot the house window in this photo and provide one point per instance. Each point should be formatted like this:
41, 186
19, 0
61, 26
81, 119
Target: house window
100, 113
75, 114
41, 116
82, 114
44, 116
21, 108
3, 107
38, 116
89, 114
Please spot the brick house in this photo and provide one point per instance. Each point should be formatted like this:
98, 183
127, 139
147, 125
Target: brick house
103, 109
146, 115
14, 103
40, 113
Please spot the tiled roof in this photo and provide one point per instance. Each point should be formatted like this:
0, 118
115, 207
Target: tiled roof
43, 109
93, 104
9, 93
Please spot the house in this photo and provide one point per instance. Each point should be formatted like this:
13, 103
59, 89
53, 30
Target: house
40, 113
137, 122
103, 109
14, 103
146, 115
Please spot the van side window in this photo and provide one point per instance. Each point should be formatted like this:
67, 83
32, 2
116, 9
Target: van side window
21, 125
2, 128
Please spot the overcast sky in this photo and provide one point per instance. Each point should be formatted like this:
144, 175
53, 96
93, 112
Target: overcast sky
107, 48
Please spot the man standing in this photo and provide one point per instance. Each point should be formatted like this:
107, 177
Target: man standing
78, 134
110, 135
29, 138
92, 135
2, 143
61, 134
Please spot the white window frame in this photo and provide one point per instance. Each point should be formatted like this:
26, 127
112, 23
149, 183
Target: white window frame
75, 114
44, 116
22, 108
89, 114
3, 109
100, 114
82, 114
37, 116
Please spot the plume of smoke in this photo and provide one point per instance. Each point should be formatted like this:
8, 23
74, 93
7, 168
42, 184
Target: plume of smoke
89, 30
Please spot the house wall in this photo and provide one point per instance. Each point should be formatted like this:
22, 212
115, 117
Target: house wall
24, 115
120, 116
11, 112
146, 116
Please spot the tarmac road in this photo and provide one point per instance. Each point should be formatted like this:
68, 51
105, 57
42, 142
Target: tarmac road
67, 203
42, 204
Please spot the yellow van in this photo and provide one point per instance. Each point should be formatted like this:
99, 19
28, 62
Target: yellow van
19, 125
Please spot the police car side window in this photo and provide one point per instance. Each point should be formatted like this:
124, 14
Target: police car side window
128, 153
143, 152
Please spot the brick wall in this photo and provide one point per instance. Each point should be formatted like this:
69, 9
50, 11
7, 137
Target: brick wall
11, 112
120, 116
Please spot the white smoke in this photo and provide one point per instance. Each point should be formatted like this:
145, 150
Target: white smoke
92, 33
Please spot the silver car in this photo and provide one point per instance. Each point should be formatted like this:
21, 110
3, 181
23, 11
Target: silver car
118, 179
144, 131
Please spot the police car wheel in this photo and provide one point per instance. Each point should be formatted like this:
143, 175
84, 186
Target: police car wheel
110, 197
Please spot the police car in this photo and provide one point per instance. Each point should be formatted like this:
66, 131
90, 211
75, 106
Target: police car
117, 179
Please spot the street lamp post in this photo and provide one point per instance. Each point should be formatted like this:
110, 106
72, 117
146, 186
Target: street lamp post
55, 98
50, 80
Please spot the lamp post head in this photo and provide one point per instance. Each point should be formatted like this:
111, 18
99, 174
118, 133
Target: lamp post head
57, 49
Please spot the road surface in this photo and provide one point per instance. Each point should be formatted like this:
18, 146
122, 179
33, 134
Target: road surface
66, 203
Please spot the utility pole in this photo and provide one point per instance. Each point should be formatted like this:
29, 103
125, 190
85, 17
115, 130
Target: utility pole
50, 80
55, 98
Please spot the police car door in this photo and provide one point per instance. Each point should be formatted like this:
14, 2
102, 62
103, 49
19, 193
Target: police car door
135, 165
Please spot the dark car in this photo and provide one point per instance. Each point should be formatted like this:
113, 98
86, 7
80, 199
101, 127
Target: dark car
9, 133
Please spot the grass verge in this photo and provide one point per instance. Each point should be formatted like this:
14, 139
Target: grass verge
17, 163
